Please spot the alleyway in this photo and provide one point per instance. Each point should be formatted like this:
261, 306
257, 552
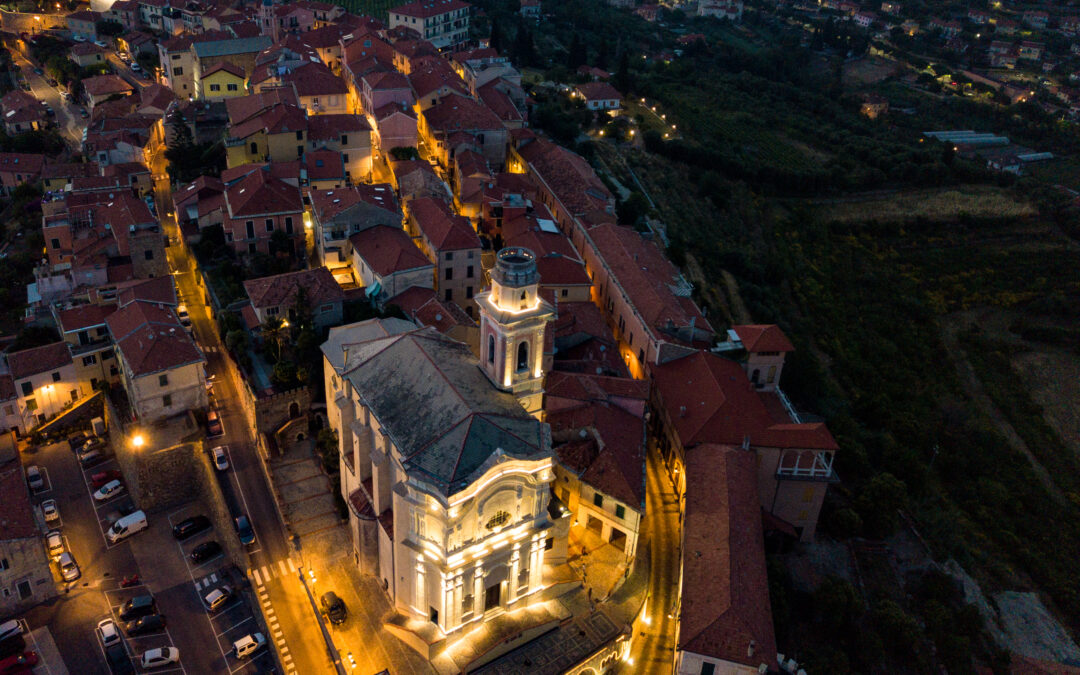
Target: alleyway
653, 645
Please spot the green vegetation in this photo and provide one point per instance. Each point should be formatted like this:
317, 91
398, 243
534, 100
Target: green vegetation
378, 9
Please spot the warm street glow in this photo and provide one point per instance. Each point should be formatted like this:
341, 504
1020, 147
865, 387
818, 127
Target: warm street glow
137, 440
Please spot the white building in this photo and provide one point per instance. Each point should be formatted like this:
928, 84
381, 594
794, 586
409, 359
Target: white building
443, 23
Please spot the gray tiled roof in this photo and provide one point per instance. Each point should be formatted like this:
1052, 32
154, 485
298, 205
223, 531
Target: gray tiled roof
227, 47
442, 413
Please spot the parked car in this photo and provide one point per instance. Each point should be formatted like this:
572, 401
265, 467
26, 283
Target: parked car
181, 309
190, 527
160, 656
10, 629
124, 507
135, 66
205, 551
119, 661
99, 479
53, 82
248, 645
89, 456
244, 530
79, 438
18, 663
221, 459
50, 511
54, 541
69, 569
217, 598
108, 632
39, 71
137, 607
147, 624
109, 490
213, 424
101, 43
334, 607
65, 95
78, 38
34, 478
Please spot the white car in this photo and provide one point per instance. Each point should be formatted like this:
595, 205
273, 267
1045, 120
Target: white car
100, 43
108, 632
182, 314
160, 656
10, 629
109, 490
34, 478
221, 459
55, 543
50, 510
217, 598
69, 569
135, 66
248, 645
78, 38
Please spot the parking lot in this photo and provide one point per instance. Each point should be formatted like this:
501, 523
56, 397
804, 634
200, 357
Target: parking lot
138, 644
235, 618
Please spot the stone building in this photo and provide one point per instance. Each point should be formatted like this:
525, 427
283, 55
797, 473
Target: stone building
25, 577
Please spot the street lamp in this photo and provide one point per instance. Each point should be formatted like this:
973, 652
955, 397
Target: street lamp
138, 441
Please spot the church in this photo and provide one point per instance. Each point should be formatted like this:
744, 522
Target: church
446, 464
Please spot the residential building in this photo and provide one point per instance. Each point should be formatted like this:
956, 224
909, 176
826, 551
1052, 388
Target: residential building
25, 574
136, 42
86, 54
84, 23
451, 243
221, 81
101, 87
385, 261
287, 295
337, 214
323, 170
530, 9
84, 329
265, 127
349, 135
462, 123
458, 495
257, 206
423, 307
395, 127
443, 23
599, 96
22, 112
17, 168
45, 381
162, 369
731, 10
240, 52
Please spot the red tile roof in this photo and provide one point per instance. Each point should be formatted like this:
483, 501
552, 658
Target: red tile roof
324, 165
330, 127
387, 250
38, 360
85, 49
21, 162
435, 75
423, 306
315, 79
499, 102
709, 399
282, 289
103, 85
70, 170
443, 230
150, 338
18, 521
763, 338
226, 66
83, 317
329, 203
568, 175
429, 8
259, 194
160, 290
725, 611
625, 392
457, 113
598, 91
385, 79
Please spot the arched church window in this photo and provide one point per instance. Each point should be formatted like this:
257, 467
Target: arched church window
523, 356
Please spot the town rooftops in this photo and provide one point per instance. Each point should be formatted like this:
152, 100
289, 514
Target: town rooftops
443, 229
70, 170
387, 250
567, 174
763, 338
160, 290
424, 9
318, 287
709, 399
36, 360
150, 338
232, 46
724, 612
83, 317
598, 91
384, 80
329, 203
85, 49
466, 420
18, 521
324, 164
459, 112
259, 193
423, 306
332, 127
106, 85
226, 66
21, 162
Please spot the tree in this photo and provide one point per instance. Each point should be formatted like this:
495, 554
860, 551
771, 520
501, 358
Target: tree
602, 54
578, 55
236, 341
109, 28
284, 374
524, 47
404, 152
495, 41
633, 209
281, 243
621, 81
273, 333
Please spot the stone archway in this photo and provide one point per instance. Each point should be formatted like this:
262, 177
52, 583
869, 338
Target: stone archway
294, 410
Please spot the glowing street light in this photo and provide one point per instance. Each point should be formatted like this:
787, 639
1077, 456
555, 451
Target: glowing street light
138, 441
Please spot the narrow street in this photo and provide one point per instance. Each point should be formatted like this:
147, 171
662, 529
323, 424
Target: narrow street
67, 114
653, 648
273, 570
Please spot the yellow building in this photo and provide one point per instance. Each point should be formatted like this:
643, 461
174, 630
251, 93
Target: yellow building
221, 81
278, 134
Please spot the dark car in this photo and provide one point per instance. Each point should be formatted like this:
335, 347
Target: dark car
138, 607
12, 645
147, 624
18, 663
205, 551
119, 661
78, 439
102, 477
213, 424
52, 82
39, 71
244, 530
333, 607
125, 507
83, 114
190, 527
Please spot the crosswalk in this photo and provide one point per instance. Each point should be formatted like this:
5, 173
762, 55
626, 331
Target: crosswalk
263, 574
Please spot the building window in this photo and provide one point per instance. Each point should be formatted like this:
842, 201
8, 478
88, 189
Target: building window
31, 404
24, 590
27, 388
166, 400
300, 135
565, 292
114, 371
269, 225
231, 87
56, 376
74, 395
523, 356
498, 520
163, 380
288, 225
250, 225
598, 499
449, 255
468, 292
469, 272
708, 668
491, 349
148, 254
345, 141
620, 511
55, 243
4, 564
449, 295
89, 360
179, 70
449, 273
215, 87
254, 148
107, 354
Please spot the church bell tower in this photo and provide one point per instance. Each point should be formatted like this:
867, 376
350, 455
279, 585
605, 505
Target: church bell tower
513, 318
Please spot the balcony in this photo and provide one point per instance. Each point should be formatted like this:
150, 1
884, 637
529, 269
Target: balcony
806, 465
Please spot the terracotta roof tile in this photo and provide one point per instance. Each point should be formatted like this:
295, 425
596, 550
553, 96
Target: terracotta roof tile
429, 8
329, 203
457, 113
151, 339
226, 66
259, 193
83, 317
330, 127
103, 85
18, 521
443, 229
598, 91
38, 360
387, 250
763, 338
423, 306
282, 289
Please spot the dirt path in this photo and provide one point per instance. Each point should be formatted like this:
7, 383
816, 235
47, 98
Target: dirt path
950, 326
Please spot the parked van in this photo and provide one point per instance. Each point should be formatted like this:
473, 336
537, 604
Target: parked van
126, 526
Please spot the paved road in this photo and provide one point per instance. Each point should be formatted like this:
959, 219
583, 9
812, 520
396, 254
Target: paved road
67, 115
653, 648
296, 632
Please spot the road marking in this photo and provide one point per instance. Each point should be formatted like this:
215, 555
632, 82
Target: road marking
258, 581
292, 567
235, 625
284, 570
278, 634
266, 575
213, 578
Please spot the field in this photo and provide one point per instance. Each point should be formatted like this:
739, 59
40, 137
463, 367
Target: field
869, 70
942, 204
